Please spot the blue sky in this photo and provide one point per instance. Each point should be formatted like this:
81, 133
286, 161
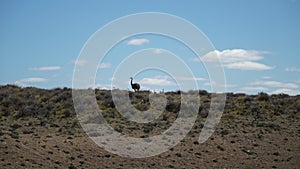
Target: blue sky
257, 41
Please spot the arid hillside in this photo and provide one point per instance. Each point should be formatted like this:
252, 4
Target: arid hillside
39, 129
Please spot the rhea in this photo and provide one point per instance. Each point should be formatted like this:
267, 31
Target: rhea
135, 86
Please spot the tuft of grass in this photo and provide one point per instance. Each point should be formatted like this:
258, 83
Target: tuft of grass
14, 135
263, 96
220, 148
72, 166
224, 133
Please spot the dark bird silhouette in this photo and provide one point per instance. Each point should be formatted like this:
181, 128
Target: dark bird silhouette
135, 86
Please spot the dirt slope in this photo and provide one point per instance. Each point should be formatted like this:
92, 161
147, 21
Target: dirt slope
39, 129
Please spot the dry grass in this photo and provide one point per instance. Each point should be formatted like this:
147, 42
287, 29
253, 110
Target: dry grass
39, 129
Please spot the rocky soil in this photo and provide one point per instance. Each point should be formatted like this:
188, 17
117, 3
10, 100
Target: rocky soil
39, 129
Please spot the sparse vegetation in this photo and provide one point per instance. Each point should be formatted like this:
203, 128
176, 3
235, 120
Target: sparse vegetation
39, 128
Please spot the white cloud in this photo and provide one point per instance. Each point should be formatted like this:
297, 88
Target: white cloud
236, 59
138, 41
247, 66
292, 69
211, 83
266, 77
23, 82
101, 86
33, 80
158, 51
46, 68
191, 78
286, 91
80, 62
233, 55
215, 84
230, 85
276, 84
157, 81
254, 89
104, 65
112, 79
